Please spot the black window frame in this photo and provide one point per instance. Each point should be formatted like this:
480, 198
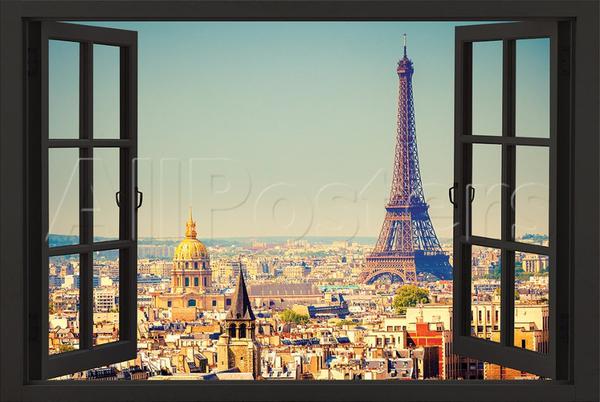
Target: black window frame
39, 145
582, 219
552, 363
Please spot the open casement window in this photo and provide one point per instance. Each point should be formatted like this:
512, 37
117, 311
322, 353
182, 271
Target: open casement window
507, 154
82, 183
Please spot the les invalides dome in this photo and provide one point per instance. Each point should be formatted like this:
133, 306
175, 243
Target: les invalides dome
191, 262
190, 248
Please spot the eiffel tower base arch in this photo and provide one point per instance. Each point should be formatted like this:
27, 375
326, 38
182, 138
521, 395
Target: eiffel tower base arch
400, 269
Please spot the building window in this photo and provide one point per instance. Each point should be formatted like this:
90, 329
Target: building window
187, 281
192, 303
228, 302
214, 303
195, 281
242, 330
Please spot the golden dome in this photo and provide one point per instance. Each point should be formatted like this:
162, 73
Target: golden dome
190, 247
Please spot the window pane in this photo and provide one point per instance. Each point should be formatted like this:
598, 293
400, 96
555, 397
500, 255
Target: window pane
533, 88
531, 302
63, 89
487, 88
531, 196
485, 292
106, 185
106, 91
63, 304
63, 197
106, 297
487, 182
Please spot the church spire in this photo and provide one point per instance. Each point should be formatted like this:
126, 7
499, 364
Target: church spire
237, 346
241, 308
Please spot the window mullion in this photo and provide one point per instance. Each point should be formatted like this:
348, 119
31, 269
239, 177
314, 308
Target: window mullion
128, 188
507, 282
86, 197
463, 125
39, 273
560, 314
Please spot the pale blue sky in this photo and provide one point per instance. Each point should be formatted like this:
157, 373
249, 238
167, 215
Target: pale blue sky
300, 119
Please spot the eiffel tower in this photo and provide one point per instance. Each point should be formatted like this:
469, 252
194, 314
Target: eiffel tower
407, 243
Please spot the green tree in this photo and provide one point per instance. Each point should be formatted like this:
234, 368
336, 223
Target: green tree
496, 271
290, 316
65, 348
341, 323
520, 274
409, 296
498, 292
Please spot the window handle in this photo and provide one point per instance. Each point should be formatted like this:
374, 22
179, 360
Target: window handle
141, 198
451, 194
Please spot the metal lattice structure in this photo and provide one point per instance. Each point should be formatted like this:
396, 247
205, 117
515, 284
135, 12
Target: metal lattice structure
407, 242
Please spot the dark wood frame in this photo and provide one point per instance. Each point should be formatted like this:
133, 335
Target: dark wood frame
42, 366
553, 363
582, 219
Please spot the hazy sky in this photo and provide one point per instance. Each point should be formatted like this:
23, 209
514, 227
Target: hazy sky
288, 128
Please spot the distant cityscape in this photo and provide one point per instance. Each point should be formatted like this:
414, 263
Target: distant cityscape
277, 308
313, 319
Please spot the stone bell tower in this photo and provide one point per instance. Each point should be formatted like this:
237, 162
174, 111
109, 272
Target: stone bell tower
237, 346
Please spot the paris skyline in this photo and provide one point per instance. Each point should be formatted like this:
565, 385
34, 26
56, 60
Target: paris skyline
303, 111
